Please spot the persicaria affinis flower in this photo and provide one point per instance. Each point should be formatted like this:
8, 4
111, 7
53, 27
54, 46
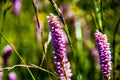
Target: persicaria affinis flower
12, 76
17, 6
104, 53
6, 52
1, 74
61, 60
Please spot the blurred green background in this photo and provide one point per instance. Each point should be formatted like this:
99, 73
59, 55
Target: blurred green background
20, 30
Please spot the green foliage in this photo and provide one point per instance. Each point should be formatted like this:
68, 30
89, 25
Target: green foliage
81, 19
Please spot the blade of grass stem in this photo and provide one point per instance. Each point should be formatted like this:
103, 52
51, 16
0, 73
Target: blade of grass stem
101, 10
63, 21
17, 54
79, 48
41, 33
48, 42
93, 15
55, 74
114, 53
7, 7
27, 66
98, 13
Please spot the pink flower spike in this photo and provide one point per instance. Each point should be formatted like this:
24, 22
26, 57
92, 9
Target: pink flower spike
104, 54
61, 60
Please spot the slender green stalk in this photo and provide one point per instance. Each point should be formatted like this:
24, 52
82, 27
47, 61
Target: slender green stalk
57, 9
93, 15
101, 11
27, 66
114, 53
36, 11
17, 54
63, 21
41, 33
79, 49
55, 74
98, 13
5, 10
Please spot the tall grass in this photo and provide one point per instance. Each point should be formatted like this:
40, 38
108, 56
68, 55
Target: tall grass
33, 59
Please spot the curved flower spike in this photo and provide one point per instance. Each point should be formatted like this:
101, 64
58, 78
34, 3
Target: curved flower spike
61, 61
104, 54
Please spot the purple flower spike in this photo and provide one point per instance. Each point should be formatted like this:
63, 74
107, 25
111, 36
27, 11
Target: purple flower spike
12, 76
1, 74
104, 53
61, 61
17, 6
6, 52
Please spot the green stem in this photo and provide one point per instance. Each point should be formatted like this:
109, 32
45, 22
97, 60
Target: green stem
17, 54
93, 15
42, 35
101, 10
41, 32
114, 53
98, 13
63, 21
5, 10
